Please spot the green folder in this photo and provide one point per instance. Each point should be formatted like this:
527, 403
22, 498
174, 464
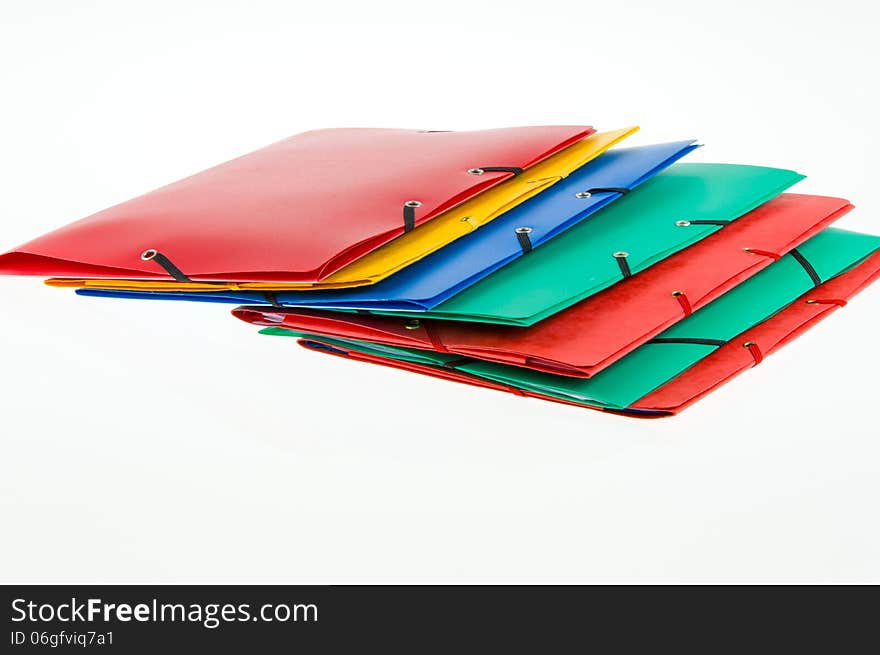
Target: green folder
659, 218
826, 255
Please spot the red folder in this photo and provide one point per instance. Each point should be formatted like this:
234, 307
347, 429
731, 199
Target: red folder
722, 365
585, 338
730, 360
294, 211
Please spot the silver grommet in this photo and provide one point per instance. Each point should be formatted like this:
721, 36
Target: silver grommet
749, 343
413, 203
414, 324
620, 254
583, 194
476, 171
747, 250
147, 255
676, 294
523, 230
810, 302
682, 223
465, 219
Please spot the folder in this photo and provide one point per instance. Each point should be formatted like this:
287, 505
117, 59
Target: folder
585, 338
734, 358
732, 333
463, 262
299, 210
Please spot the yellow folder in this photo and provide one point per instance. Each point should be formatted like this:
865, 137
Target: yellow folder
412, 246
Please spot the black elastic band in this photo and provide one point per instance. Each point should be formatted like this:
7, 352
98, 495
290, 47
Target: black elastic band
808, 267
409, 218
169, 267
525, 242
362, 311
458, 361
624, 266
698, 342
708, 222
501, 169
609, 189
271, 298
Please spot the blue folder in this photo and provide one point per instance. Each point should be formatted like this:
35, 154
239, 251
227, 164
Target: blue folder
440, 276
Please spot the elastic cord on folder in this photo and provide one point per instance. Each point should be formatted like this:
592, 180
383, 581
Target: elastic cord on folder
271, 298
684, 302
154, 255
479, 170
409, 214
763, 253
808, 267
602, 189
827, 301
704, 222
757, 355
609, 189
621, 256
435, 340
525, 241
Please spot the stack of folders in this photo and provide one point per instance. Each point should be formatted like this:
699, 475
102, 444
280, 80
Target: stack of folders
545, 261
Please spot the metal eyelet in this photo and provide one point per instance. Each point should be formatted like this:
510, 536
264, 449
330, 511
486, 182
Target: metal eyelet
583, 194
676, 294
749, 343
413, 203
523, 230
810, 302
620, 254
682, 223
414, 324
147, 255
475, 171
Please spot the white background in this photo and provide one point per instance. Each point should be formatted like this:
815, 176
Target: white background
167, 442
